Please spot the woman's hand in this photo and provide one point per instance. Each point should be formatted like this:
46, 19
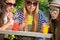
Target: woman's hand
23, 24
6, 26
10, 15
44, 28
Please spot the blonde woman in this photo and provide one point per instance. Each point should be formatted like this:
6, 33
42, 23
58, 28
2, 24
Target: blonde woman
30, 18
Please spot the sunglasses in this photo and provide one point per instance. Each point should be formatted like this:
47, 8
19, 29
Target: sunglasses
30, 3
54, 11
10, 4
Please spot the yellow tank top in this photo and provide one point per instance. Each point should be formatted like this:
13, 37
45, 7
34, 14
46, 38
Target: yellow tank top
30, 19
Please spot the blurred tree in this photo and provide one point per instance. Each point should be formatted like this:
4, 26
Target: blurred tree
19, 4
44, 6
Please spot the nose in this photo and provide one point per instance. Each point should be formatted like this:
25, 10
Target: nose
52, 13
31, 5
12, 7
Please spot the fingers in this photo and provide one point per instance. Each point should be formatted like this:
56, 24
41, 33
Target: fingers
25, 20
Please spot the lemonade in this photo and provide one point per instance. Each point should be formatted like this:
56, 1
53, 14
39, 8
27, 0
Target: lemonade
30, 19
45, 29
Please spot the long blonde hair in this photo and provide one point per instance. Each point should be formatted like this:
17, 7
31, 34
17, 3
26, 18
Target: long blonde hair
35, 18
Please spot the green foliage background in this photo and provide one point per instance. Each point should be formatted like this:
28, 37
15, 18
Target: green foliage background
43, 5
19, 4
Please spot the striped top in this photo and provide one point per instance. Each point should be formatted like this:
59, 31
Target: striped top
18, 16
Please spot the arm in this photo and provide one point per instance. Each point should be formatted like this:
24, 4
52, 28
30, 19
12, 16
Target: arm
45, 28
43, 20
18, 17
3, 27
9, 23
21, 26
6, 26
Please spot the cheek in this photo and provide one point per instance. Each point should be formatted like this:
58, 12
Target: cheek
33, 8
54, 16
28, 7
7, 8
57, 14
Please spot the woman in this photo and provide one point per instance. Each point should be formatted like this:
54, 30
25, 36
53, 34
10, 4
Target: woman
6, 15
30, 18
7, 7
55, 19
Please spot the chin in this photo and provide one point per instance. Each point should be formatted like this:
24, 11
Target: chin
10, 11
54, 18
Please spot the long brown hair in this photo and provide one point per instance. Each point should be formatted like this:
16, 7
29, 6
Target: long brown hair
2, 12
1, 18
59, 15
35, 17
